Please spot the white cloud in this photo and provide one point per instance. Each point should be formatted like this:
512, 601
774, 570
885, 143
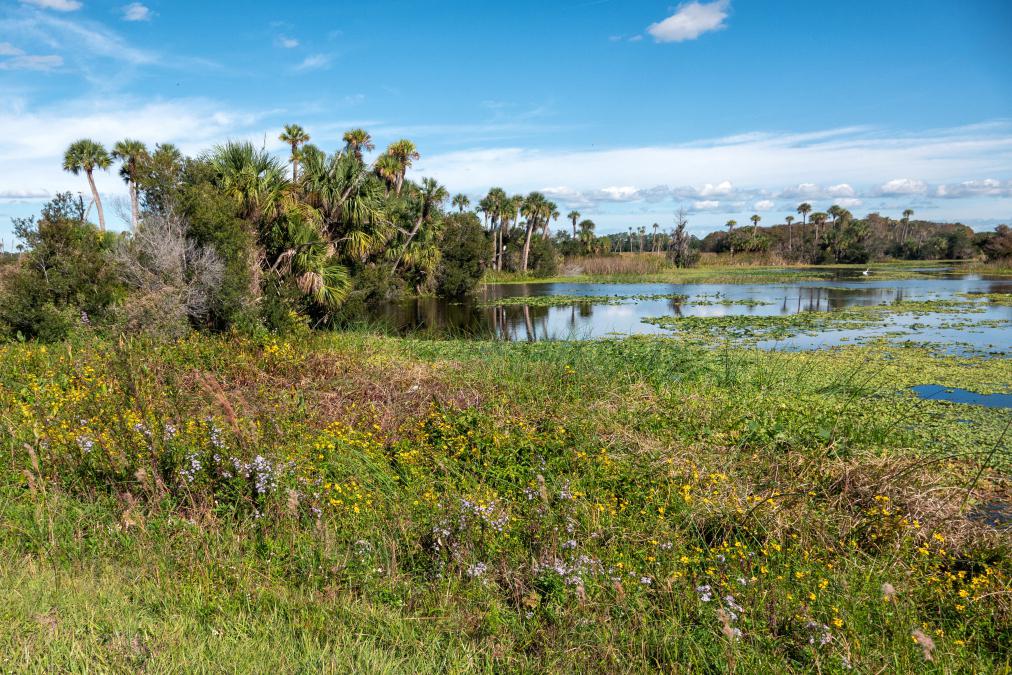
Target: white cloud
987, 187
619, 194
841, 190
19, 60
764, 205
848, 202
801, 191
690, 21
903, 186
720, 189
58, 5
24, 194
865, 160
286, 42
136, 11
314, 62
32, 62
89, 39
705, 205
33, 141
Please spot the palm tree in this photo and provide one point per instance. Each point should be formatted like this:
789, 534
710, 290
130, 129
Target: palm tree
295, 136
790, 233
730, 230
907, 213
405, 152
132, 153
252, 177
308, 256
819, 219
755, 218
87, 155
388, 168
573, 217
351, 201
357, 140
534, 208
551, 213
803, 210
654, 241
461, 202
493, 206
587, 236
834, 213
431, 196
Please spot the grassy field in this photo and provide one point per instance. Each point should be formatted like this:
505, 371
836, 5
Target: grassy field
352, 502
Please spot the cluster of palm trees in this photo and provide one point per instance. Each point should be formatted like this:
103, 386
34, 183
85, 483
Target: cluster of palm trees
514, 219
330, 212
829, 229
87, 155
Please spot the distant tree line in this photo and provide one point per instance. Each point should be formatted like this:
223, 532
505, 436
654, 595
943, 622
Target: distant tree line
836, 236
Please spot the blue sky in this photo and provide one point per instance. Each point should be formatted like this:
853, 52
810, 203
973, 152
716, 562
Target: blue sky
623, 110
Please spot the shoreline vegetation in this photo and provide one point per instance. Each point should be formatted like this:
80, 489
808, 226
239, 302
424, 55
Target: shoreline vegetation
207, 466
651, 268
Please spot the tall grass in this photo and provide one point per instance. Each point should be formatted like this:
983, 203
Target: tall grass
454, 506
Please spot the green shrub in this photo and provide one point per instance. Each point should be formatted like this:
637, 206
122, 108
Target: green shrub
544, 258
66, 277
467, 252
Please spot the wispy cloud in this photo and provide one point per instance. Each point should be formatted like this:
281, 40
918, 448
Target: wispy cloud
24, 194
58, 5
850, 167
286, 42
903, 186
34, 139
14, 58
987, 187
89, 39
314, 62
136, 11
691, 20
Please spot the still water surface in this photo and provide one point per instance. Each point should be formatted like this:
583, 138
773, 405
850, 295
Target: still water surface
624, 316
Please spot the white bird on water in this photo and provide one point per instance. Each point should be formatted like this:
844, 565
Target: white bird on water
865, 273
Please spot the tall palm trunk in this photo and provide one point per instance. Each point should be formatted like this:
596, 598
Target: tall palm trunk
295, 163
527, 247
503, 225
98, 202
135, 212
497, 234
411, 235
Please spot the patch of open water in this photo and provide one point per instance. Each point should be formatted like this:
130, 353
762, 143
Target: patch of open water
623, 313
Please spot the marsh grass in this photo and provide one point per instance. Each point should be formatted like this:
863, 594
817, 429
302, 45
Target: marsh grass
458, 506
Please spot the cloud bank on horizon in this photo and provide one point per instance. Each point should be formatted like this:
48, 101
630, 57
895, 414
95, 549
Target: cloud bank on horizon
607, 137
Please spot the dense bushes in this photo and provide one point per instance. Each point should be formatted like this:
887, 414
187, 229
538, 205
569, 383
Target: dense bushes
66, 278
466, 252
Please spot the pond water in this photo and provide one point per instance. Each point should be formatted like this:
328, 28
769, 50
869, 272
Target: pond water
937, 392
623, 311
